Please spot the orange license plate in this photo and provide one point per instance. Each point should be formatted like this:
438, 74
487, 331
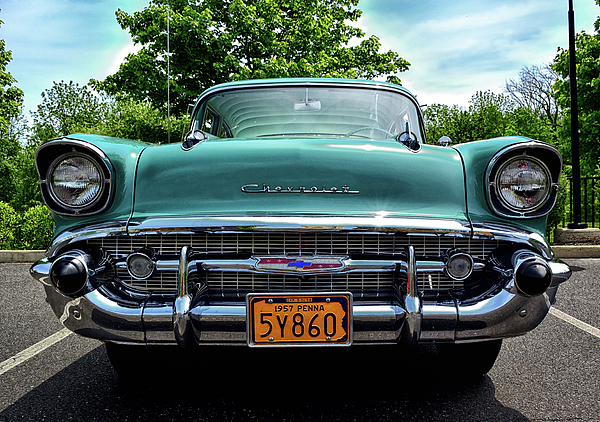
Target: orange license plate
314, 319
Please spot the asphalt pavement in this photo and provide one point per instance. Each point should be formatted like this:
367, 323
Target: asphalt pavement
550, 374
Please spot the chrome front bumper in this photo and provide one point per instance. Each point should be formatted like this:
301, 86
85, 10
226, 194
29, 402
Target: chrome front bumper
104, 314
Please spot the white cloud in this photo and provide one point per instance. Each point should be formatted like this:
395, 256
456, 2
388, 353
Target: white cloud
455, 47
119, 57
54, 40
458, 48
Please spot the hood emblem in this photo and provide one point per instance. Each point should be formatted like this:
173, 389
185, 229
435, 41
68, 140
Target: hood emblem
303, 264
254, 188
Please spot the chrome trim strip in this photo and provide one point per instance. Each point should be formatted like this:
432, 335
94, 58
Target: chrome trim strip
350, 265
510, 234
233, 224
375, 223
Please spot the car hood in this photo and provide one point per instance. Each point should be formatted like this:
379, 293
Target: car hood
254, 177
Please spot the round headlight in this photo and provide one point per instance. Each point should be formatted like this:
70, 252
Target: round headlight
76, 181
523, 184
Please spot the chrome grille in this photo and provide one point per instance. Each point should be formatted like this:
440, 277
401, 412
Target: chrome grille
262, 243
242, 283
294, 243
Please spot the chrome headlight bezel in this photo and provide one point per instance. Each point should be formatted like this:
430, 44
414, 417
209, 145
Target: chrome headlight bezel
53, 186
547, 189
548, 161
50, 155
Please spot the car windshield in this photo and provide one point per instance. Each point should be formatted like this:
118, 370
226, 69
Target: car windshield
309, 111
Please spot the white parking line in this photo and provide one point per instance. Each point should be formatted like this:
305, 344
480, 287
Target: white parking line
30, 352
574, 321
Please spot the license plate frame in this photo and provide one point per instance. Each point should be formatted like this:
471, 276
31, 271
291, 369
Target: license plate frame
321, 314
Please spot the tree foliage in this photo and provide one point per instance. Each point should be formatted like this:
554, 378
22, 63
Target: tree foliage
484, 118
214, 41
534, 90
138, 120
489, 115
587, 59
11, 97
69, 108
65, 108
11, 100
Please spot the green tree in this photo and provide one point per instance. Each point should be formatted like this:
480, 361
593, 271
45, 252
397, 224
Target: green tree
534, 90
486, 117
587, 59
69, 108
27, 190
214, 41
65, 108
489, 115
9, 222
137, 120
11, 99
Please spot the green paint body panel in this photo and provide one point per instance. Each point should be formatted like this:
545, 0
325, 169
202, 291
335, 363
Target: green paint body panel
123, 155
207, 179
476, 156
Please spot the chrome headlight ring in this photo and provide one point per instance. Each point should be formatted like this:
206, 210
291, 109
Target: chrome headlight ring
523, 184
75, 181
522, 180
78, 181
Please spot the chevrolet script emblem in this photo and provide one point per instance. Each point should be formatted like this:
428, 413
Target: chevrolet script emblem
300, 264
254, 188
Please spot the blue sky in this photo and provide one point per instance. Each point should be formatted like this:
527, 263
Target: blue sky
455, 48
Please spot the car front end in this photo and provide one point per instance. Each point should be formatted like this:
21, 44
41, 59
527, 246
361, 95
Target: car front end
258, 231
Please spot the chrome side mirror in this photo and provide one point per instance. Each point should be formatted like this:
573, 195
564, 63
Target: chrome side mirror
193, 138
409, 139
444, 141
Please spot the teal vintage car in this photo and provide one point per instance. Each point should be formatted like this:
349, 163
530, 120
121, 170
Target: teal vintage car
301, 212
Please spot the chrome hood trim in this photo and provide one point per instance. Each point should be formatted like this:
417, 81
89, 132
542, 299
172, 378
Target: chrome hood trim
377, 223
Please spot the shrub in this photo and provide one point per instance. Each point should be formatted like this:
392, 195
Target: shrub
35, 231
31, 230
9, 221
